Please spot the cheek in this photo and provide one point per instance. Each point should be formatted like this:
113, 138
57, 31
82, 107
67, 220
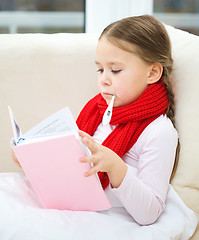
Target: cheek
130, 92
124, 96
98, 83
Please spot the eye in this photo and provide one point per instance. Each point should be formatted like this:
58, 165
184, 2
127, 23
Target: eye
100, 70
116, 71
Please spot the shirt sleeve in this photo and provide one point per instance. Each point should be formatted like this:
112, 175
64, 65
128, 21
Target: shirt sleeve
143, 192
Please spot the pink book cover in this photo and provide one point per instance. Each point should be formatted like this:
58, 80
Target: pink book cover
57, 176
49, 155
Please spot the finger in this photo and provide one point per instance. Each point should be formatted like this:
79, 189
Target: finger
92, 171
92, 145
83, 134
88, 141
18, 164
15, 158
86, 159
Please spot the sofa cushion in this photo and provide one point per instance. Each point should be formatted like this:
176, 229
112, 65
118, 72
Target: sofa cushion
185, 78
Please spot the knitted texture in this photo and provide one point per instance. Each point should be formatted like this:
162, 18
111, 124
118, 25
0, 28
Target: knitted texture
131, 120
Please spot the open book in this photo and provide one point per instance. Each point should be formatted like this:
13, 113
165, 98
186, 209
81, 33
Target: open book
49, 155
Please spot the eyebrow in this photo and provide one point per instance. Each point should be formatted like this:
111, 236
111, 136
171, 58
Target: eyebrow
110, 63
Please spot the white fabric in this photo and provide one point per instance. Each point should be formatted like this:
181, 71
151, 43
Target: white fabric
150, 162
22, 218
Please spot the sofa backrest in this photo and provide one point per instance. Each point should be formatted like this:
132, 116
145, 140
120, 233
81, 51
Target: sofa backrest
40, 74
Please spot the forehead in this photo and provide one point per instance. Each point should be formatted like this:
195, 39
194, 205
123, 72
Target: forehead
110, 51
118, 43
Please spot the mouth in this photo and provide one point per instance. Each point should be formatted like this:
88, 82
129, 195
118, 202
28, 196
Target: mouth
107, 94
107, 97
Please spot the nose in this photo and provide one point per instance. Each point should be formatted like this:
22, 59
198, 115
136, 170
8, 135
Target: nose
105, 79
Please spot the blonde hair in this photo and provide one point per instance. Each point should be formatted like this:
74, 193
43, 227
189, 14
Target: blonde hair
152, 43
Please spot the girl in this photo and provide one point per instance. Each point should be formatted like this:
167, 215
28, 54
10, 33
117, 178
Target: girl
135, 153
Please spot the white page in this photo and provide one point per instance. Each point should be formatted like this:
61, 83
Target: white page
16, 130
61, 122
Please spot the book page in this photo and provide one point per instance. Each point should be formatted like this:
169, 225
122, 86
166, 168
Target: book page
61, 122
16, 130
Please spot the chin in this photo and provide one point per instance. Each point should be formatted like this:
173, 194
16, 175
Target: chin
107, 98
107, 101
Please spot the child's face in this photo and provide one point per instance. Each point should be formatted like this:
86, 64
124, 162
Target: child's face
120, 73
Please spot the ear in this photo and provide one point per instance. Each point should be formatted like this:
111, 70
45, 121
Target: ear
155, 73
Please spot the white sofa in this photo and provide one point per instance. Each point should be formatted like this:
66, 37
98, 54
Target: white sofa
40, 74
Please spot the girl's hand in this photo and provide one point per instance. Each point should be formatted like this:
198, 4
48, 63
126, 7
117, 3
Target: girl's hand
15, 158
104, 160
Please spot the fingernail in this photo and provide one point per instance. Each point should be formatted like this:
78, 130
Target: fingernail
85, 139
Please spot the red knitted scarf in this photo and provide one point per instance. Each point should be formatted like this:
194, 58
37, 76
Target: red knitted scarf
131, 120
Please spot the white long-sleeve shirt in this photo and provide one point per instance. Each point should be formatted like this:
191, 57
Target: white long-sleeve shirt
150, 162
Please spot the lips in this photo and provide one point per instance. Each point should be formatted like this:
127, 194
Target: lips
107, 94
